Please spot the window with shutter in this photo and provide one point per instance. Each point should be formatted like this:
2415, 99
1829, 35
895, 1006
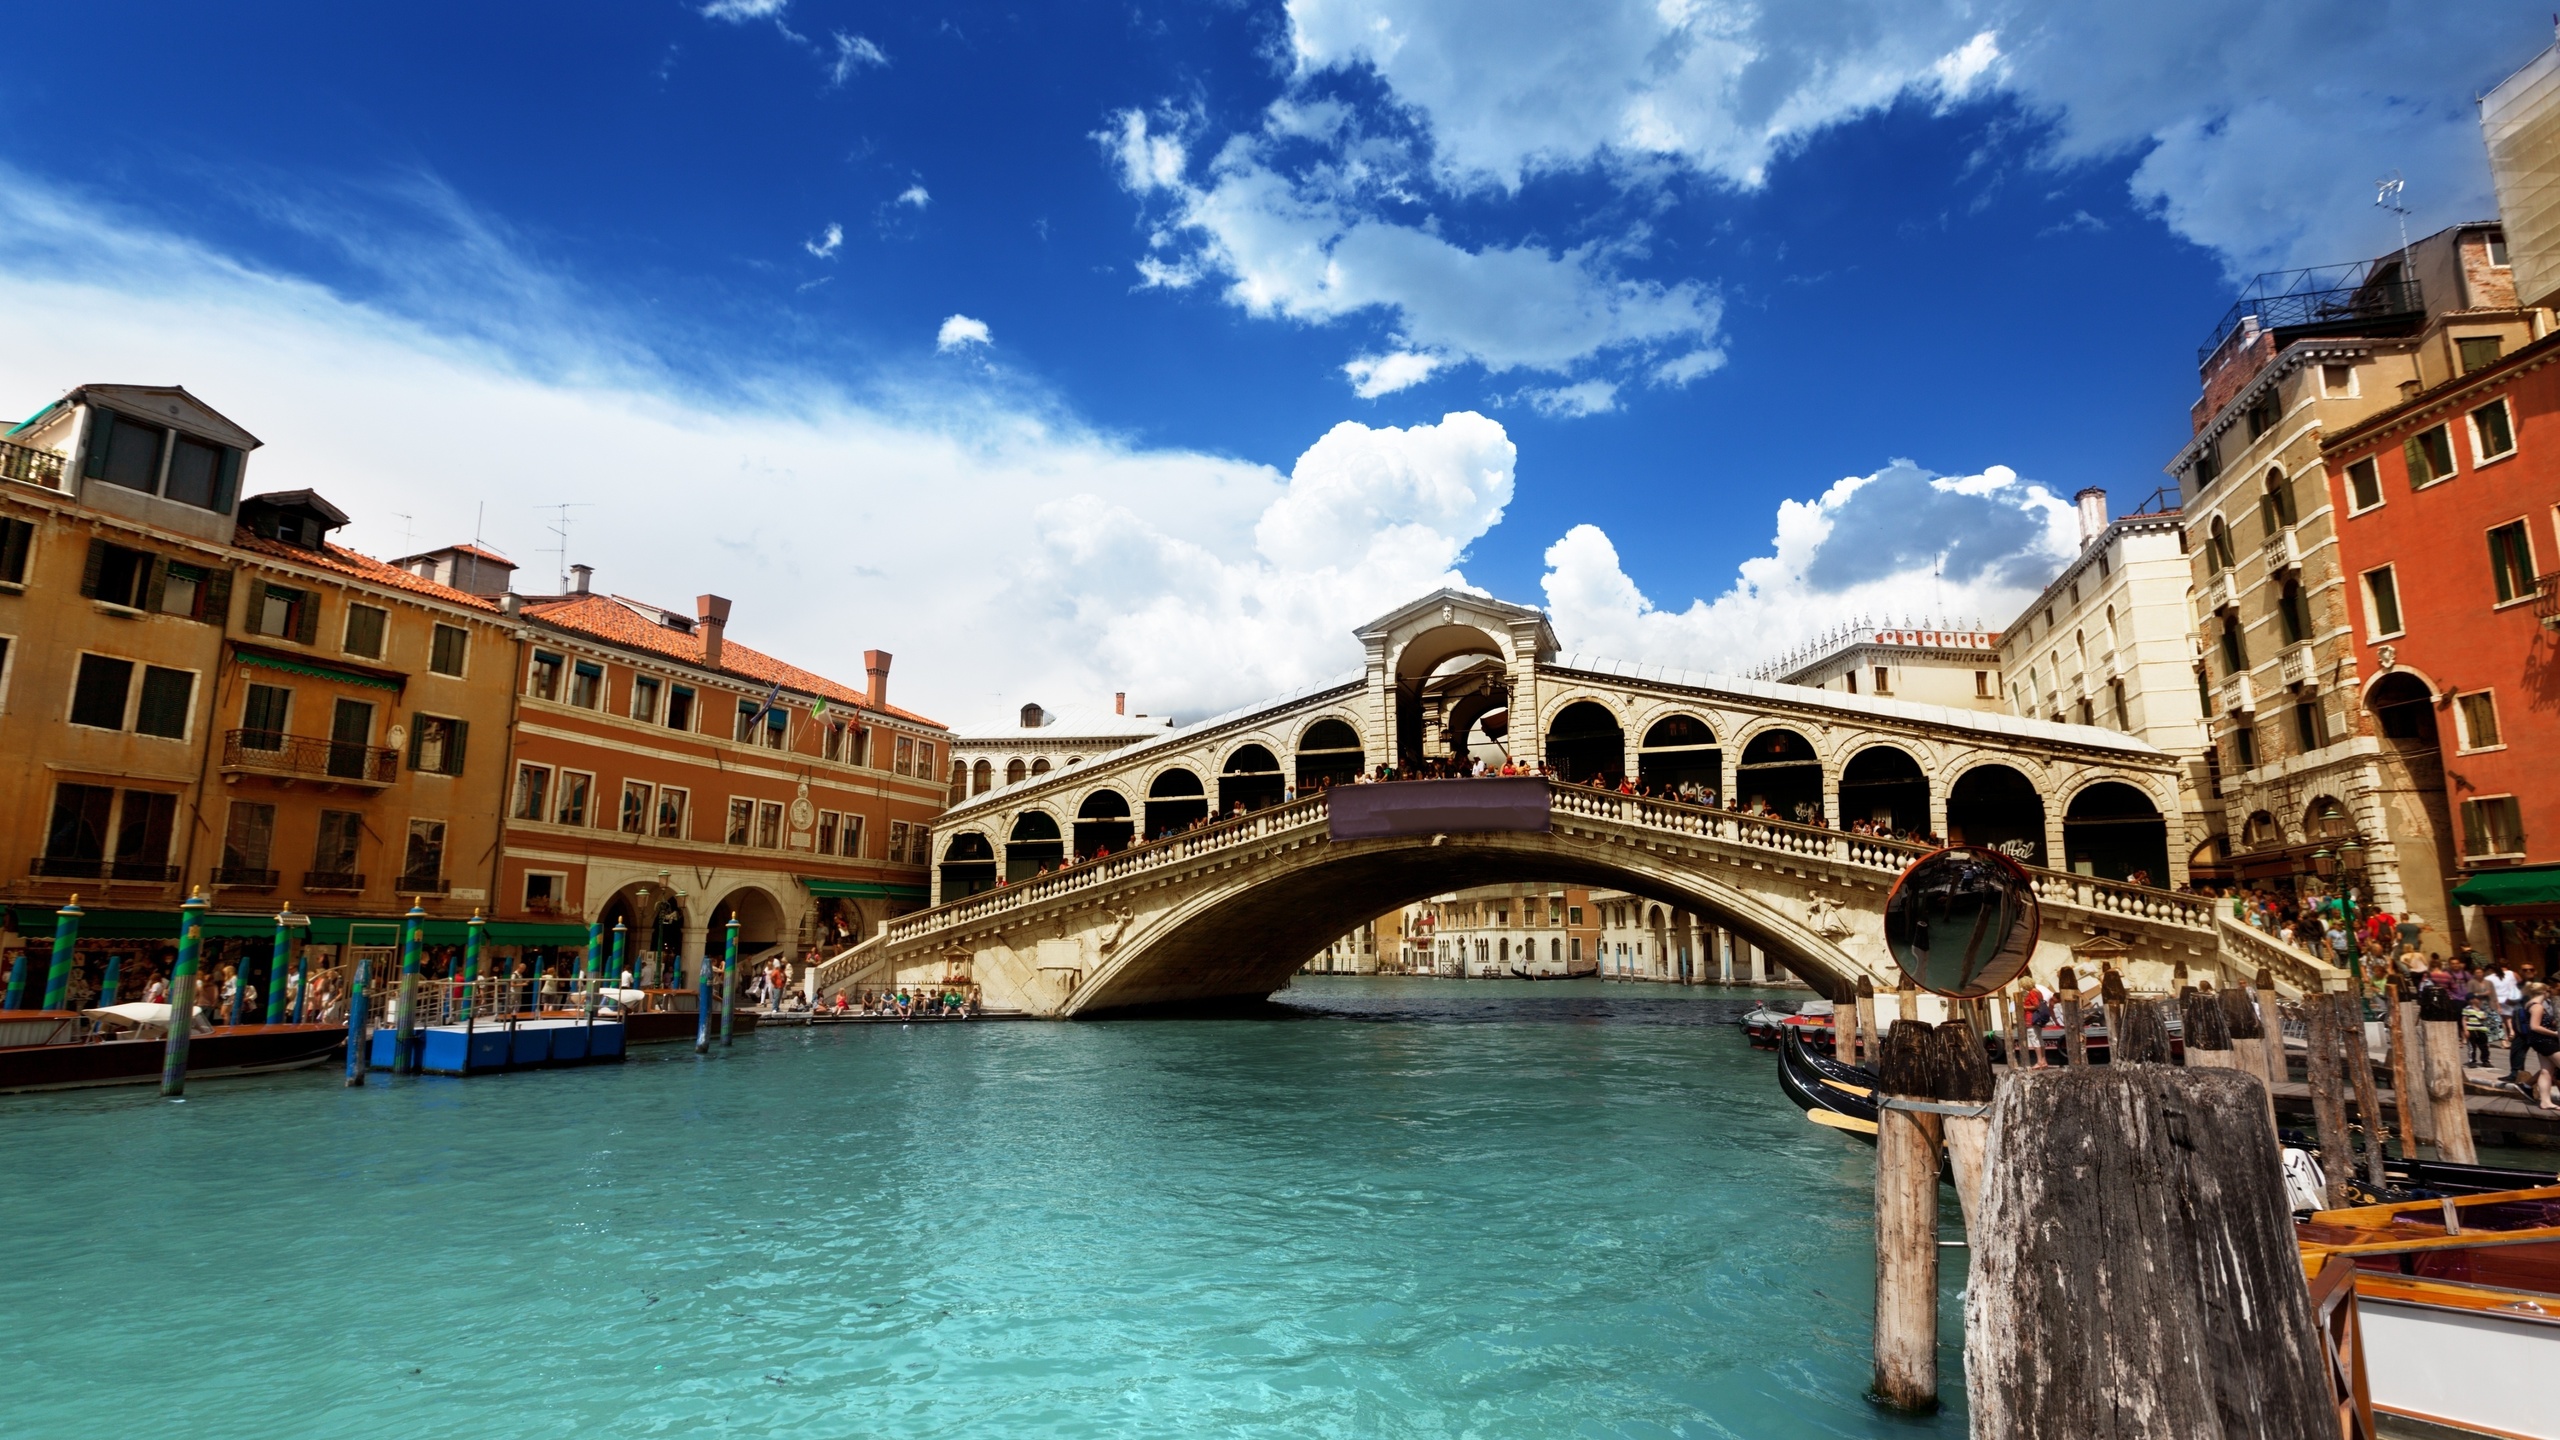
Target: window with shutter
306, 620
167, 697
17, 538
96, 567
215, 606
98, 693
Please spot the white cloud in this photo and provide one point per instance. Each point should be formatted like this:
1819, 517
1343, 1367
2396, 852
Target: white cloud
1303, 249
852, 52
741, 11
826, 245
914, 195
1679, 370
1572, 402
1900, 542
960, 332
1376, 375
986, 540
2267, 162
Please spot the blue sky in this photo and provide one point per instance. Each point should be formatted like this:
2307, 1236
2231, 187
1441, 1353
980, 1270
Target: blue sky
1067, 349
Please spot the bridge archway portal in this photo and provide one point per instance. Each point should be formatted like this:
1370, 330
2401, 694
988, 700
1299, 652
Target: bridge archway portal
968, 865
2112, 830
1994, 805
1250, 780
1882, 783
1175, 799
1585, 744
1102, 823
1328, 754
1035, 845
1781, 769
1422, 657
1680, 750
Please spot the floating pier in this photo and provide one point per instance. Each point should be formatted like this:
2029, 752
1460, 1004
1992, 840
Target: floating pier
512, 1045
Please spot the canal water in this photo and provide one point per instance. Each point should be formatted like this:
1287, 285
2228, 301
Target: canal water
1389, 1208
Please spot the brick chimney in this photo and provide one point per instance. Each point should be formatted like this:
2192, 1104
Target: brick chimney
875, 665
711, 622
2093, 514
1119, 702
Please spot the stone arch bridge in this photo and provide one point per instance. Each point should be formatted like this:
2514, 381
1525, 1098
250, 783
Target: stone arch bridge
1207, 865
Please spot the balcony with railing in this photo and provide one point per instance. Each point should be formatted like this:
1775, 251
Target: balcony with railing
2299, 667
2235, 696
27, 463
242, 877
2281, 552
2368, 297
2221, 593
349, 881
421, 885
305, 757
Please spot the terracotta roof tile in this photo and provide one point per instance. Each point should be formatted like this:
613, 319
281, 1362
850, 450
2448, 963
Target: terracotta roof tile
363, 567
608, 618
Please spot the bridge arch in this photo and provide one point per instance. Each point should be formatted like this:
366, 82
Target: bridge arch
1883, 781
968, 865
1994, 803
1034, 843
1103, 822
1782, 768
1190, 953
1586, 739
1250, 778
1328, 752
2116, 830
1679, 748
1175, 798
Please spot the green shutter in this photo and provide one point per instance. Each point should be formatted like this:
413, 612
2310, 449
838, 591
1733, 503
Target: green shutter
2416, 457
155, 583
417, 739
257, 608
97, 566
102, 428
213, 602
453, 755
306, 627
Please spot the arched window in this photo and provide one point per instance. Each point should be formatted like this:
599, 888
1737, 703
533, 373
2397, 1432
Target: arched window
1679, 752
2218, 555
1883, 785
1997, 806
1040, 766
1174, 800
2235, 655
1585, 744
1033, 846
1249, 780
968, 865
1780, 771
2114, 832
1102, 823
982, 778
1014, 770
2290, 611
2275, 504
1328, 754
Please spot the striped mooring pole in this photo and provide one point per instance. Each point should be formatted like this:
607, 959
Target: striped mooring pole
621, 933
702, 1011
66, 937
280, 964
357, 1041
592, 965
17, 982
182, 995
405, 1022
729, 984
107, 987
476, 927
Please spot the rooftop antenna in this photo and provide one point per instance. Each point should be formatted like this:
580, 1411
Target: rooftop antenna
408, 531
2386, 194
560, 527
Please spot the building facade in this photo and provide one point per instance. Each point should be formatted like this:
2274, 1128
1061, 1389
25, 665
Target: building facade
1037, 739
2301, 357
1932, 662
2111, 642
665, 778
2450, 540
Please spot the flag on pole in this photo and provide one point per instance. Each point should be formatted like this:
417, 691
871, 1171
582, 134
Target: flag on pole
818, 708
772, 700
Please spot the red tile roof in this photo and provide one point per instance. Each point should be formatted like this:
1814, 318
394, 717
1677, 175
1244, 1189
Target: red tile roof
611, 619
347, 562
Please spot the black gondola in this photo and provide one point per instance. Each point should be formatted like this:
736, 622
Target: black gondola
1829, 1092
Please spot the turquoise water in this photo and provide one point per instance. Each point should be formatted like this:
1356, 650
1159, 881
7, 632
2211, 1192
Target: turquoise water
1395, 1208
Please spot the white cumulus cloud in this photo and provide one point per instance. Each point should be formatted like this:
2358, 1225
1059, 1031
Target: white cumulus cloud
1901, 542
915, 195
1376, 375
850, 53
741, 11
960, 332
826, 245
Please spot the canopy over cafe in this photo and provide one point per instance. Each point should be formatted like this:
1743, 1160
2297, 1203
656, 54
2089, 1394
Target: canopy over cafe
146, 942
2521, 908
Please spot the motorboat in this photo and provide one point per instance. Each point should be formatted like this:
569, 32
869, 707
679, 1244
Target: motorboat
126, 1044
1763, 1024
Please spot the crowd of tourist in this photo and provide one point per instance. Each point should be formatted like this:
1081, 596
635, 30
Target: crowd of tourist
948, 1002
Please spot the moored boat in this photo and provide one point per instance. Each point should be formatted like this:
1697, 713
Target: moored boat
1830, 1093
132, 1041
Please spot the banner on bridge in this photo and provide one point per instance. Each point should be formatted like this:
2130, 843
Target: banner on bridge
1437, 807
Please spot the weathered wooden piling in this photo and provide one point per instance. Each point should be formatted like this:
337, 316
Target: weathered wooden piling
1862, 1023
2328, 1104
2358, 1057
2066, 1012
2204, 1033
1964, 1073
1907, 1157
2271, 1021
2248, 1037
2137, 1034
2408, 1077
2134, 1275
2440, 1043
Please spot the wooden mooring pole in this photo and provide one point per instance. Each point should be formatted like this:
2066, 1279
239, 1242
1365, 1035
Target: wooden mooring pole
2328, 1104
2066, 1013
2439, 1031
1907, 1152
2408, 1075
1862, 1023
2357, 1054
2134, 1274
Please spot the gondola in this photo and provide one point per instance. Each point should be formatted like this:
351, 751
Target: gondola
1830, 1093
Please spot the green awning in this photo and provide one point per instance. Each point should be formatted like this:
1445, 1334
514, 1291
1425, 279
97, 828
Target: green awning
36, 923
2534, 885
318, 672
861, 890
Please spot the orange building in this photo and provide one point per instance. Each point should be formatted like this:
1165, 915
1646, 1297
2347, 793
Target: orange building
665, 777
201, 690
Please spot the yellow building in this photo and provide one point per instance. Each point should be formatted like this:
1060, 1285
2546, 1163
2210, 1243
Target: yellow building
201, 690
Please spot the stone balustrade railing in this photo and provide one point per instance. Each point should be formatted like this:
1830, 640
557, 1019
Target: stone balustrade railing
2249, 950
